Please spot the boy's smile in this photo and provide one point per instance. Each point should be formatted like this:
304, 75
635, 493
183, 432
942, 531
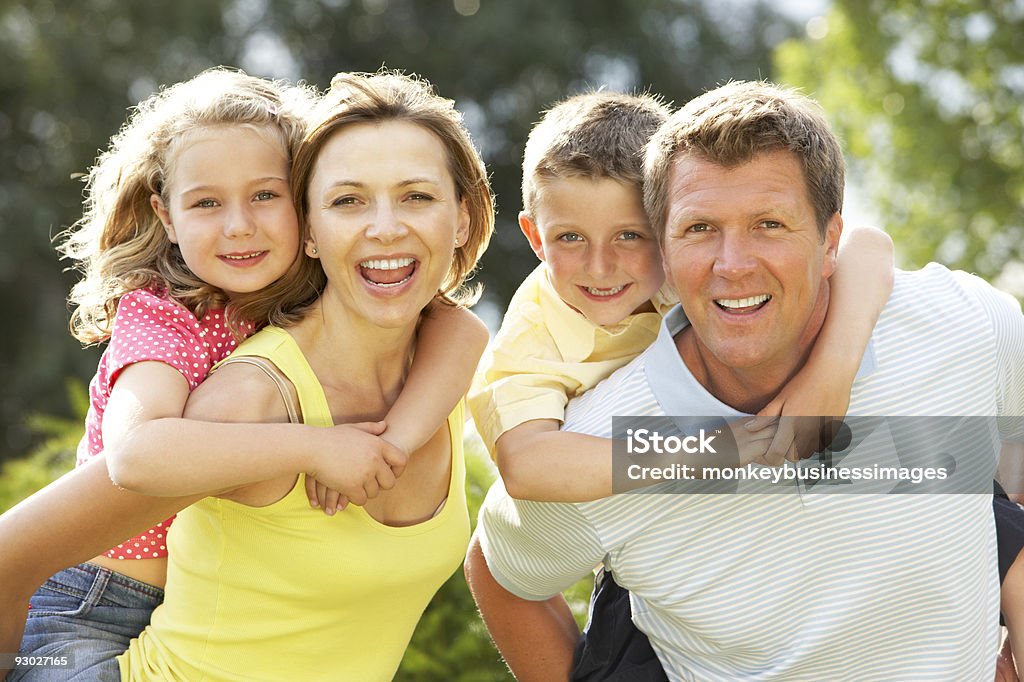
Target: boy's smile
594, 236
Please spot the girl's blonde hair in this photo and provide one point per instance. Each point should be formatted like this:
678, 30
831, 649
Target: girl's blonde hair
373, 98
120, 244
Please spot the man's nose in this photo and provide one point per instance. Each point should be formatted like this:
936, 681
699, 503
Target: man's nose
736, 257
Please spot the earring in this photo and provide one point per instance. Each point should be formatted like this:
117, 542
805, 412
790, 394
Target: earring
315, 251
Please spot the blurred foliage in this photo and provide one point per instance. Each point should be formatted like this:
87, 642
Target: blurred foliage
72, 70
55, 453
929, 97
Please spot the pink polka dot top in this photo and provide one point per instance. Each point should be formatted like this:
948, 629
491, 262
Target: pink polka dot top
149, 326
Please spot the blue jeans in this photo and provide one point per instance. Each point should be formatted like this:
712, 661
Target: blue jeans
89, 613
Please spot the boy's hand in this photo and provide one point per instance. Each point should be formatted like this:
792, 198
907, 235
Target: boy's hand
753, 443
354, 467
798, 436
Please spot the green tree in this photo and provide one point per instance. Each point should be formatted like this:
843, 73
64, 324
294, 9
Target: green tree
928, 97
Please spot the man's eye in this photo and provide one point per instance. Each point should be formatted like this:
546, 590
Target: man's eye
771, 224
699, 227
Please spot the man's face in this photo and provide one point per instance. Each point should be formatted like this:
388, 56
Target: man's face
742, 248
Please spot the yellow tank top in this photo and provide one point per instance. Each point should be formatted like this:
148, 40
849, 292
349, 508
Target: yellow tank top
285, 592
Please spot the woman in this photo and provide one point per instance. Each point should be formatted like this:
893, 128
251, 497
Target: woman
396, 211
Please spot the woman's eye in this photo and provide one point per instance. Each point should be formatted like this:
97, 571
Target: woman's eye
420, 196
570, 237
343, 201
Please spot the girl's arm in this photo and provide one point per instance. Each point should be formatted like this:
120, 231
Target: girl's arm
449, 344
451, 341
859, 289
150, 449
74, 519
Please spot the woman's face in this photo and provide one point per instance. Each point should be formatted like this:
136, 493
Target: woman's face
384, 219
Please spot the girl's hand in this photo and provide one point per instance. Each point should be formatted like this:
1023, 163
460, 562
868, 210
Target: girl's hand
354, 466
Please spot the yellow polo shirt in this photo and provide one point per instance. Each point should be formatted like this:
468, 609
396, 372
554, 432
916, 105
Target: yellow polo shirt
546, 353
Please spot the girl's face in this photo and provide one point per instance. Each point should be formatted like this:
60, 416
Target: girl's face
384, 219
229, 207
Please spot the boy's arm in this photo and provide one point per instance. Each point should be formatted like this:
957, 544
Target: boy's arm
536, 638
151, 450
540, 463
859, 289
450, 342
72, 520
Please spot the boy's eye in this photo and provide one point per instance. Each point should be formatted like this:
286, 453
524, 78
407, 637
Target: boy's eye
206, 203
570, 237
630, 236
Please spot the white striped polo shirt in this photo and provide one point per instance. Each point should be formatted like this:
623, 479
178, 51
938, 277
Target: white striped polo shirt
777, 587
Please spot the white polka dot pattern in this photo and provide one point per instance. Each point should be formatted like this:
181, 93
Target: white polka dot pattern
149, 326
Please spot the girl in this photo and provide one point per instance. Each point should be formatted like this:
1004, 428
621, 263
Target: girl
189, 220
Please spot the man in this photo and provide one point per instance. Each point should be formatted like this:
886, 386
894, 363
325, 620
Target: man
744, 186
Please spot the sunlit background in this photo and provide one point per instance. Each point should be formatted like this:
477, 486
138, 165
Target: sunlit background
926, 94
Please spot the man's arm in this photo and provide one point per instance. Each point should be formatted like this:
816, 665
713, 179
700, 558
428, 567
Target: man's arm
536, 638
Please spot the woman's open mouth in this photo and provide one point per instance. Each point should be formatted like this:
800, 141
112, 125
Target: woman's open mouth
387, 273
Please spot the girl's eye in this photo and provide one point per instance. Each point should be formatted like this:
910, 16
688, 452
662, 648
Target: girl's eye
206, 203
570, 237
265, 195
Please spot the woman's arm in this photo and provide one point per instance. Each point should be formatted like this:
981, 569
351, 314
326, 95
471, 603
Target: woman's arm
72, 520
859, 289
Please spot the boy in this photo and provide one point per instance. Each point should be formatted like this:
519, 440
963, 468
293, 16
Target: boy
597, 298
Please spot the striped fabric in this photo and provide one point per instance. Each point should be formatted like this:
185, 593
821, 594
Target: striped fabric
799, 587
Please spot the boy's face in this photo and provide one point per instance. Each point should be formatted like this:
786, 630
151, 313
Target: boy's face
594, 235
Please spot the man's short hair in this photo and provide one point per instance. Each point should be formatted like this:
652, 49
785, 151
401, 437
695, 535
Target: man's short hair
592, 135
732, 124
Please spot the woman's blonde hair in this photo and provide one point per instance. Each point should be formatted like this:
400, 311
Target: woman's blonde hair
120, 244
373, 98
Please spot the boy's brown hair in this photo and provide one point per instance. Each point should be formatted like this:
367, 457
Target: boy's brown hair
732, 124
592, 135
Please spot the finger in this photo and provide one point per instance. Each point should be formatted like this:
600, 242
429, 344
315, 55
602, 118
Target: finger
321, 496
371, 488
372, 428
385, 478
311, 492
342, 502
358, 497
781, 443
331, 501
759, 422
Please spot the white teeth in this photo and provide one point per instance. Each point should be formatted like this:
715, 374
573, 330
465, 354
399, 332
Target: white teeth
594, 291
389, 264
742, 302
247, 256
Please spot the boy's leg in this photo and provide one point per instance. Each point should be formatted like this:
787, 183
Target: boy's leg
612, 647
89, 614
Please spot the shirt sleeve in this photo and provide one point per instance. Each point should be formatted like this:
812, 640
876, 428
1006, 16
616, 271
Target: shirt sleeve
521, 377
148, 327
536, 549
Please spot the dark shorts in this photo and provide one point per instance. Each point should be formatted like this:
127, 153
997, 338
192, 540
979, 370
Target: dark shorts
612, 647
